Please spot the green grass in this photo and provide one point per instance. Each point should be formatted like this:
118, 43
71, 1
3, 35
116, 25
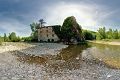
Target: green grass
108, 40
111, 40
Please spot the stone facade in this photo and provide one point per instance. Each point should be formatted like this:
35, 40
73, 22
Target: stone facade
47, 34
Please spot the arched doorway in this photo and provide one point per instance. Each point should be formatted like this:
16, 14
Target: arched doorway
48, 40
52, 40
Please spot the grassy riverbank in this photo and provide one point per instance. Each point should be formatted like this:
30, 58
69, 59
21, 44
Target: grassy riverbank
107, 41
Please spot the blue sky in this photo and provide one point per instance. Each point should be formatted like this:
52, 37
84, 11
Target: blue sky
16, 15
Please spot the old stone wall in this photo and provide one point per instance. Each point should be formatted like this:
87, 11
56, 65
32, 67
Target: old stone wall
47, 34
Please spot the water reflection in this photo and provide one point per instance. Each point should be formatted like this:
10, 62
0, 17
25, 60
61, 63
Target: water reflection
69, 58
72, 52
109, 54
74, 56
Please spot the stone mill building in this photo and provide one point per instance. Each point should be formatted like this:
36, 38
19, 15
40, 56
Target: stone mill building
47, 34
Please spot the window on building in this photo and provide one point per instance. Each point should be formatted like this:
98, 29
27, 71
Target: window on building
52, 35
47, 35
48, 40
52, 40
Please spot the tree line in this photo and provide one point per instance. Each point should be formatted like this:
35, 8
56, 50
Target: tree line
102, 33
110, 34
69, 31
72, 30
12, 37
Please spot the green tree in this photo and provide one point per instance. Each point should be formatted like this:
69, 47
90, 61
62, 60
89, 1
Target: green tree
89, 35
27, 39
18, 39
101, 33
1, 40
34, 28
110, 34
41, 21
71, 29
119, 34
115, 34
57, 31
5, 37
13, 37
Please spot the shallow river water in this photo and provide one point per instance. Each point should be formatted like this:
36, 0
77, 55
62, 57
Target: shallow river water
109, 55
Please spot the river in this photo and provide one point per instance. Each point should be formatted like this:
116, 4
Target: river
76, 62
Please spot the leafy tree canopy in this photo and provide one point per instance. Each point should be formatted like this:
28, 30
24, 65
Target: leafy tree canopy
71, 29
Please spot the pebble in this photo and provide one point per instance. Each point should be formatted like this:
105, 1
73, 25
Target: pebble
15, 70
108, 76
77, 58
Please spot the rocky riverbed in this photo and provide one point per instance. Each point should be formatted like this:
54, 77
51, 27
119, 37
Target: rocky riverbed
46, 61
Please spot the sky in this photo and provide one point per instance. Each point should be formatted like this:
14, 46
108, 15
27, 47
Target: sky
17, 15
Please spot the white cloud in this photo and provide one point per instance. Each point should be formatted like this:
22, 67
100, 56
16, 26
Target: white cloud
87, 15
12, 25
90, 16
